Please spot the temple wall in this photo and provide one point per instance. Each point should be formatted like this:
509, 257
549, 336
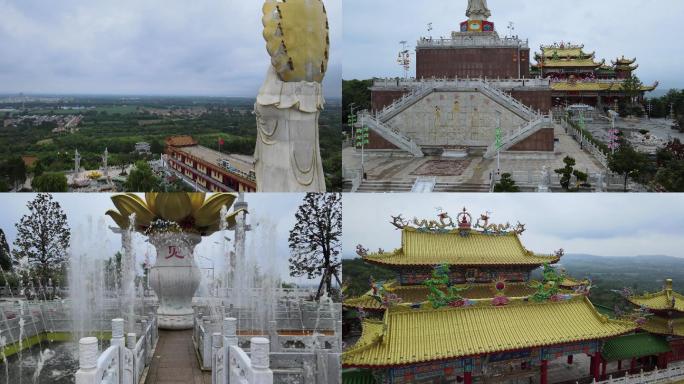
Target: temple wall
543, 140
376, 141
472, 63
440, 372
383, 98
489, 365
538, 99
677, 346
455, 118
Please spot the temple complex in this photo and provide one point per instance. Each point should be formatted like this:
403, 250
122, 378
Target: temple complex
476, 93
463, 308
577, 76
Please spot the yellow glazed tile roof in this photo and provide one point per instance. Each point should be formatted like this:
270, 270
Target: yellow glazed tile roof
570, 282
414, 336
372, 332
410, 294
665, 299
661, 326
564, 52
592, 86
426, 248
560, 63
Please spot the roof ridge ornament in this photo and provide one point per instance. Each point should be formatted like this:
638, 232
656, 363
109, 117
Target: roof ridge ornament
464, 223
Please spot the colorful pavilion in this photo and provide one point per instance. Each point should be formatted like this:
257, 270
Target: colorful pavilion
477, 313
666, 310
577, 76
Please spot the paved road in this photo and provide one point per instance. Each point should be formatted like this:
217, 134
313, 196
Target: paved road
175, 361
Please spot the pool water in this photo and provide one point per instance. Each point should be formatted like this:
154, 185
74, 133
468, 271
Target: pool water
54, 363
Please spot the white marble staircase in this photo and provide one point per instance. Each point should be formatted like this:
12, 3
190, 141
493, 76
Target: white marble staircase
519, 135
395, 137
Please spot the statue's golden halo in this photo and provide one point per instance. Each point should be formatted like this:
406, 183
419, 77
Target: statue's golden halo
297, 39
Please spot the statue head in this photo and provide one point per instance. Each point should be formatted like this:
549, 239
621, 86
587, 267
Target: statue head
478, 10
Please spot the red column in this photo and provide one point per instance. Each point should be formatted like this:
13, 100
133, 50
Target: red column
597, 366
662, 361
544, 372
570, 358
468, 378
619, 365
632, 365
592, 364
603, 369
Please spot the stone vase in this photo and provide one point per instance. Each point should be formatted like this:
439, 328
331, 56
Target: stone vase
175, 277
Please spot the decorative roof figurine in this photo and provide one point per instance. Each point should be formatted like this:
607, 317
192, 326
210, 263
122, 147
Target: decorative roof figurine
287, 154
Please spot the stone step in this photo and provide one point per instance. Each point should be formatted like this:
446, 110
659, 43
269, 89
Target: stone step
385, 186
466, 187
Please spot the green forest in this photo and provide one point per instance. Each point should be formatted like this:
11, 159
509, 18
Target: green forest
118, 124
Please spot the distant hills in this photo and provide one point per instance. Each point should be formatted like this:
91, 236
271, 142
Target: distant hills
645, 272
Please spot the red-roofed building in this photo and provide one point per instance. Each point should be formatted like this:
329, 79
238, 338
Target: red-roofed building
207, 169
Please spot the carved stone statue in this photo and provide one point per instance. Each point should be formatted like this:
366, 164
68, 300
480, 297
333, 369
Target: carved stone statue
477, 10
288, 157
545, 181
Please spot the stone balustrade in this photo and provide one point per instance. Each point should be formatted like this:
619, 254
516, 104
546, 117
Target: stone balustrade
307, 358
123, 362
657, 376
394, 83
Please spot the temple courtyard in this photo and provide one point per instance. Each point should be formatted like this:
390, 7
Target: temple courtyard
475, 171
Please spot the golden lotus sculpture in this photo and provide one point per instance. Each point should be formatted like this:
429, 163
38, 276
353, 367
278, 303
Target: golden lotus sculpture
187, 212
297, 38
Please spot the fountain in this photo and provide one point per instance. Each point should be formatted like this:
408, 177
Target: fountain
174, 224
237, 309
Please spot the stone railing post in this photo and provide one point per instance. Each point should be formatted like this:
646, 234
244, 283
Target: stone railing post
197, 320
130, 344
273, 335
206, 343
338, 334
229, 339
147, 343
119, 341
87, 361
261, 361
215, 350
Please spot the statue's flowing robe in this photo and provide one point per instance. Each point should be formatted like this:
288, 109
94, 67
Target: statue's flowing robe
288, 156
478, 8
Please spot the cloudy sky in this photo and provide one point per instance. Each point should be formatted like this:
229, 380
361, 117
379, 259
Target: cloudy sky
647, 29
597, 224
150, 47
271, 216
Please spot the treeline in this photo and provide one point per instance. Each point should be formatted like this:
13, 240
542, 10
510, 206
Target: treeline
672, 102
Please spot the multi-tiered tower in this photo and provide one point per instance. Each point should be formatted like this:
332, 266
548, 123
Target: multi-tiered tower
475, 50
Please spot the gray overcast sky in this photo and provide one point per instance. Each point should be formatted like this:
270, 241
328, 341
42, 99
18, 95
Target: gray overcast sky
179, 47
598, 224
267, 243
647, 29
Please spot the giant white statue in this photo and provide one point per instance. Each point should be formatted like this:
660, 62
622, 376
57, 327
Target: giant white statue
288, 157
478, 10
